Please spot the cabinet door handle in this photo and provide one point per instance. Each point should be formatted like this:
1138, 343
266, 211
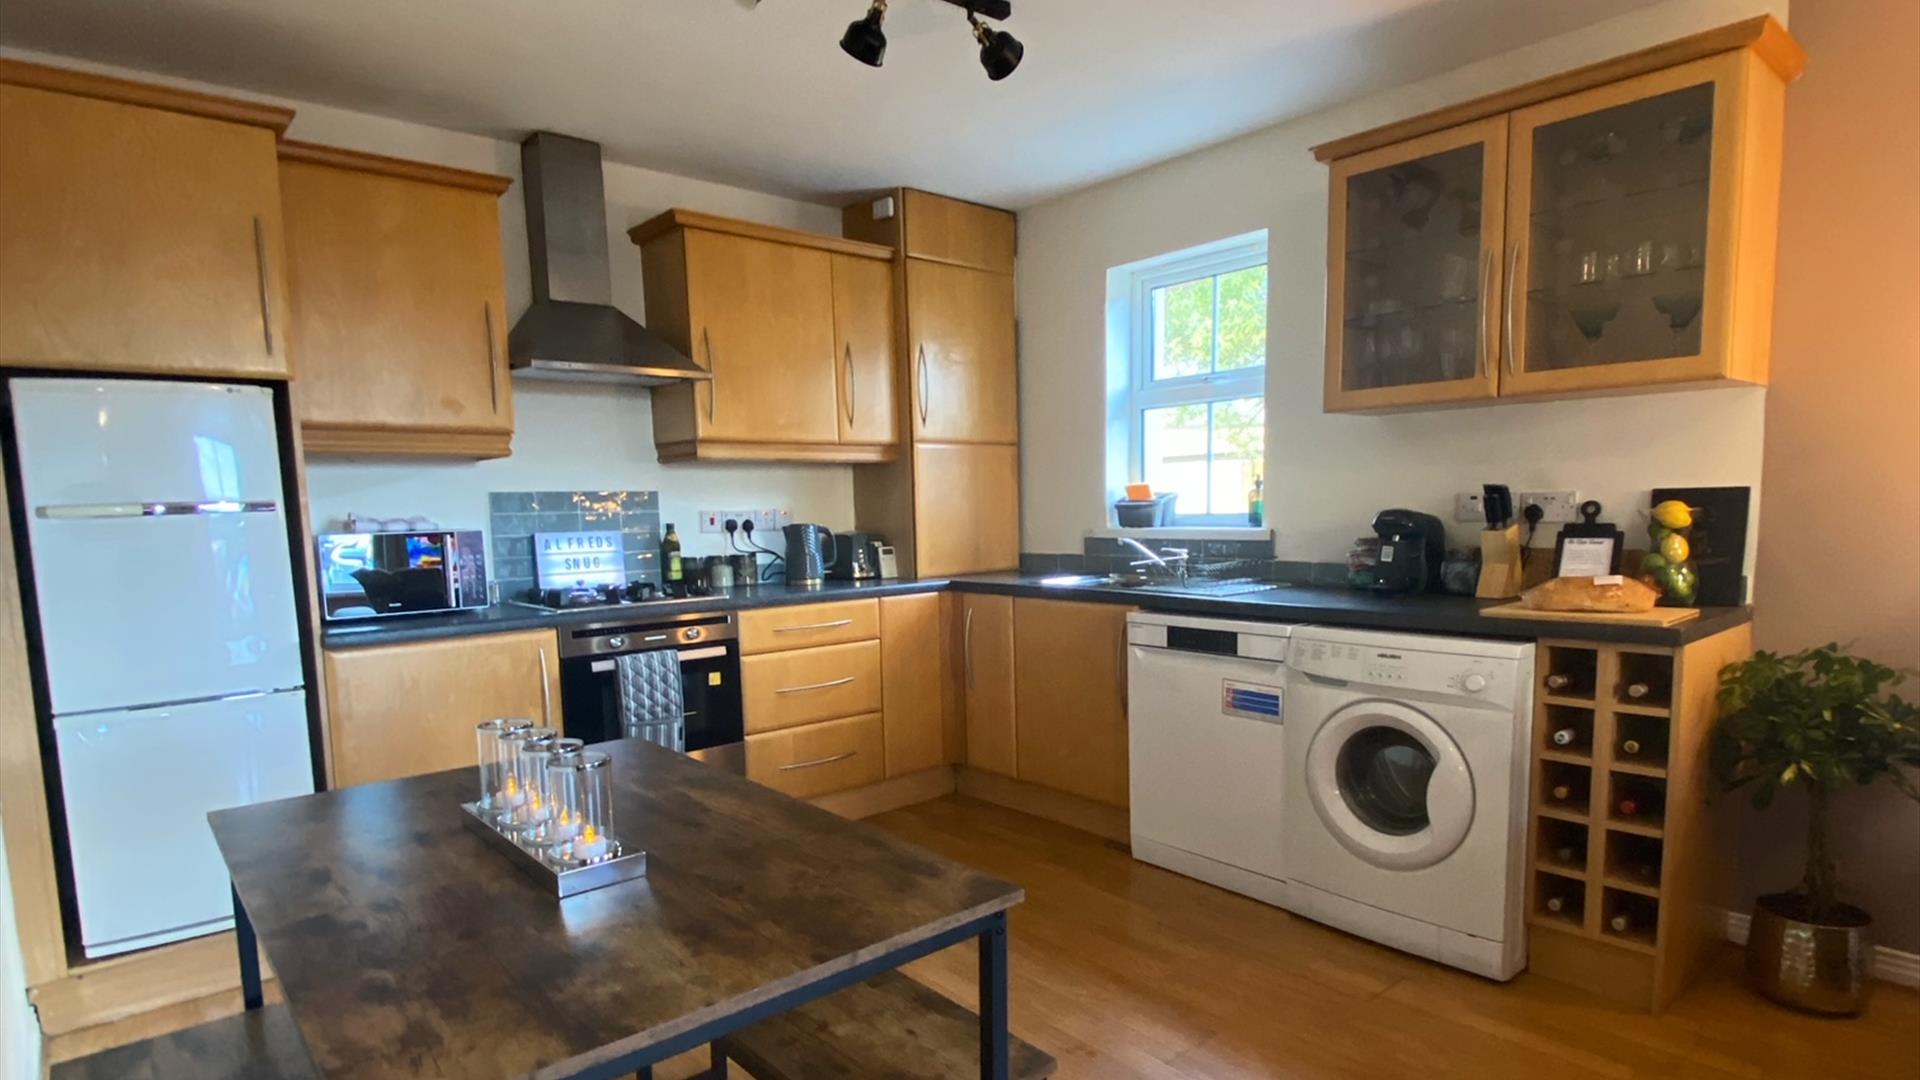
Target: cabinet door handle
923, 385
1121, 669
812, 626
266, 289
828, 685
853, 386
713, 389
546, 692
966, 648
1485, 366
819, 761
1512, 284
493, 370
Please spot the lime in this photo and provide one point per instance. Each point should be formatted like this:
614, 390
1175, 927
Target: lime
1675, 548
1653, 562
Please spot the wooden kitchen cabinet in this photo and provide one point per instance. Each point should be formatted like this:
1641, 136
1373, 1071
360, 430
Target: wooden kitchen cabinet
792, 328
819, 759
969, 519
1609, 229
987, 682
398, 305
140, 228
805, 626
961, 348
410, 708
1070, 697
805, 686
951, 505
863, 342
912, 673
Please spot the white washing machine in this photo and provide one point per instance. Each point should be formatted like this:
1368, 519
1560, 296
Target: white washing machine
1207, 748
1406, 791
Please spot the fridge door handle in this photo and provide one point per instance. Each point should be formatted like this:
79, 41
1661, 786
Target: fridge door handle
97, 511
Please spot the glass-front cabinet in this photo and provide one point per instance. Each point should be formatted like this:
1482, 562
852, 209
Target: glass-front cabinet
1414, 274
1617, 237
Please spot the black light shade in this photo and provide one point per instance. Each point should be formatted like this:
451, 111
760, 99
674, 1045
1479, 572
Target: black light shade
864, 40
1000, 52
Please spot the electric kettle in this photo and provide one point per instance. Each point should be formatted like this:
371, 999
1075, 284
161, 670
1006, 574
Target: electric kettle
810, 549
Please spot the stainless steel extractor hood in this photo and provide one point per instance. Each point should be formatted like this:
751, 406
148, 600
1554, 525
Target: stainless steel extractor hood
572, 330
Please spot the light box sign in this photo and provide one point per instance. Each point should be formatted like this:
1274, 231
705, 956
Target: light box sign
572, 560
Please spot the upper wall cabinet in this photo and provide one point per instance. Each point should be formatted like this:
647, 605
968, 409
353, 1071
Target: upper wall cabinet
1609, 229
796, 328
139, 228
398, 305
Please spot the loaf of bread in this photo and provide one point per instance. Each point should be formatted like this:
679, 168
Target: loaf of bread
1591, 594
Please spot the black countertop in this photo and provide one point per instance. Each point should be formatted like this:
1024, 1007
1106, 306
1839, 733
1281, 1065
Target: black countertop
1331, 606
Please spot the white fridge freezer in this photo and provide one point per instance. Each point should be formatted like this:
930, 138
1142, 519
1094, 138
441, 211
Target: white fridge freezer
163, 588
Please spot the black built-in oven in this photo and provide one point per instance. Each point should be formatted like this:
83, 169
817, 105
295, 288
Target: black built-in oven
709, 648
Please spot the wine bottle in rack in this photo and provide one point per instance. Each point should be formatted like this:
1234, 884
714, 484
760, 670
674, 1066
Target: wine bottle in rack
1621, 922
1562, 792
1638, 690
1565, 854
1565, 736
1630, 747
1628, 807
1557, 681
1556, 904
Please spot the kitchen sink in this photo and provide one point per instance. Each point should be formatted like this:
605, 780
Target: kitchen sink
1195, 587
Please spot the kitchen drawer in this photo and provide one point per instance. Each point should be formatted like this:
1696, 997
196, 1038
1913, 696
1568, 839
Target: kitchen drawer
786, 689
764, 630
819, 758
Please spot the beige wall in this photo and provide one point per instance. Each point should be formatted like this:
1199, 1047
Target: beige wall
1842, 461
1327, 475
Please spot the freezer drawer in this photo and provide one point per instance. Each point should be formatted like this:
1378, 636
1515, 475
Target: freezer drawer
138, 785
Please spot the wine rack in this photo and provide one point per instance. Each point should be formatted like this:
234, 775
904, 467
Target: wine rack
1618, 833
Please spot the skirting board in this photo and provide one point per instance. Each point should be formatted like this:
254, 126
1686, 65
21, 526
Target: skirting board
891, 794
1889, 965
1111, 822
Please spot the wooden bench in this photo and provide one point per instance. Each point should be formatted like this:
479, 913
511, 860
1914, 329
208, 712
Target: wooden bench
261, 1044
887, 1028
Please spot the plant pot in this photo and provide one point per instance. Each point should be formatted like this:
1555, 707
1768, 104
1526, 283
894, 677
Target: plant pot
1821, 967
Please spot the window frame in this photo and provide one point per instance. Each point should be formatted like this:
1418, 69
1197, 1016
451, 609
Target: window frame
1144, 392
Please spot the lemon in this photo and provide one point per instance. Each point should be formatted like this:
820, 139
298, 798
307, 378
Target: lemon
1673, 548
1674, 514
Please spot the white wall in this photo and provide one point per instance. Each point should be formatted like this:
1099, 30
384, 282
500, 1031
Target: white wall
1327, 475
19, 1029
568, 436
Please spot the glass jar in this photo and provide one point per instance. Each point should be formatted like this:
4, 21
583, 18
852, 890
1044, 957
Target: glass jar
534, 810
510, 795
493, 763
581, 785
1669, 564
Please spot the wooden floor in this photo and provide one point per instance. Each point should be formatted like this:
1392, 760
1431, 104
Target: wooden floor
1125, 971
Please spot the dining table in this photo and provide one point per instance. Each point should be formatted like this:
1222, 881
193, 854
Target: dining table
406, 945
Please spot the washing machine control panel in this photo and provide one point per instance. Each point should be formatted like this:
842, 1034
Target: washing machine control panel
1405, 669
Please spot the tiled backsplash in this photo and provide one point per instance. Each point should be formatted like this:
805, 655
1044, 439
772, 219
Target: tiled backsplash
517, 515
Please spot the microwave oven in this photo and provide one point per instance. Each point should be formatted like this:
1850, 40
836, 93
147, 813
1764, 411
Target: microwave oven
370, 574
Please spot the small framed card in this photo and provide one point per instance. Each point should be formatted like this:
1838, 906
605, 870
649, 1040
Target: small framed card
1588, 547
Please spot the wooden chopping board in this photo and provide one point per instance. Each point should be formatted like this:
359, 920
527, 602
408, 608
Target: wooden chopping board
1660, 616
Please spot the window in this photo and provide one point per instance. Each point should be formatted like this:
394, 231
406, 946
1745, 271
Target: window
1195, 400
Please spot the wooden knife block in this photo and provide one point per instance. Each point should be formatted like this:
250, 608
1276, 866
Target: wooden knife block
1502, 572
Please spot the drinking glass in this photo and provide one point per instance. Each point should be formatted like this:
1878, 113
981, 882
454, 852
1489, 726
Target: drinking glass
535, 808
493, 763
582, 786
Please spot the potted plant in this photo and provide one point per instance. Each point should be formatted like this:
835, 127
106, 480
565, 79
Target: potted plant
1820, 720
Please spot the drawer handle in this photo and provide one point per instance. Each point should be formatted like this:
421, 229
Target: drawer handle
812, 626
828, 685
818, 761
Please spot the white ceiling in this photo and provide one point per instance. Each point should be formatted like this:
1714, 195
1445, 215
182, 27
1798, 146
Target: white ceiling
762, 96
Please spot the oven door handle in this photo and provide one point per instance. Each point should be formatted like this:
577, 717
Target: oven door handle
708, 652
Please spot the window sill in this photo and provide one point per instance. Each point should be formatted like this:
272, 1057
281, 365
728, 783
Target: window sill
1190, 532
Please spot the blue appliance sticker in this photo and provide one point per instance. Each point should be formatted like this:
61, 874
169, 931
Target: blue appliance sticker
1255, 701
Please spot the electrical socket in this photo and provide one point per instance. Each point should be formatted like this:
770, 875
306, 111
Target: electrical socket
715, 521
1470, 506
1561, 507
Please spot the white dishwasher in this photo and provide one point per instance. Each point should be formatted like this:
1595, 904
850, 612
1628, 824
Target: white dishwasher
1207, 748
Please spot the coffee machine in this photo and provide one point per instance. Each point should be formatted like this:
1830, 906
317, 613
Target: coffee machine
1412, 547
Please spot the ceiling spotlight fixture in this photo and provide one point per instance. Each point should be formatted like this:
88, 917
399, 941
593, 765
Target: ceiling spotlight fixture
864, 40
1000, 52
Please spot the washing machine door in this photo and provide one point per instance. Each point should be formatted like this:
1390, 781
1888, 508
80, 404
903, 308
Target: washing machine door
1390, 784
